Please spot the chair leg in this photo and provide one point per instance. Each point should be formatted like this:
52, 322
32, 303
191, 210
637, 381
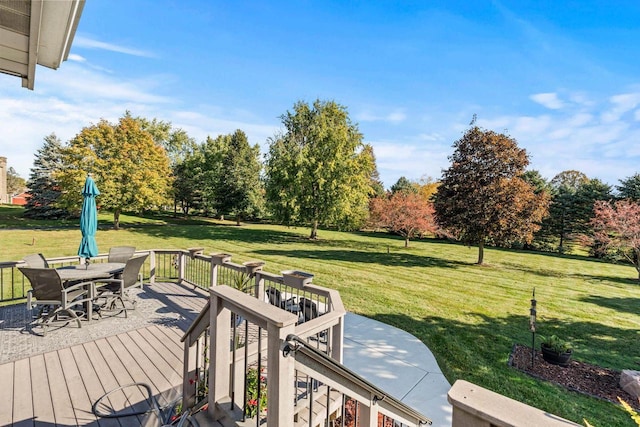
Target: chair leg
74, 315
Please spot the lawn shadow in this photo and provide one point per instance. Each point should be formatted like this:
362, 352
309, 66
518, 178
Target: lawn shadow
394, 259
628, 305
219, 232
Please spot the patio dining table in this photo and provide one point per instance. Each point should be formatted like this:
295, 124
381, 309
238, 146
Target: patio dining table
89, 272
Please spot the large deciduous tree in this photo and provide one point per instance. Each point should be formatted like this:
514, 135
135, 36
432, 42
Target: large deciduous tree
482, 196
617, 230
132, 172
44, 189
15, 183
238, 188
318, 171
407, 214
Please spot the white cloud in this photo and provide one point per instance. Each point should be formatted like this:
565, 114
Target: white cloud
395, 116
76, 96
88, 43
76, 58
548, 100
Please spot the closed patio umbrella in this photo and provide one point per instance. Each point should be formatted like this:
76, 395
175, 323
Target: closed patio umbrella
89, 220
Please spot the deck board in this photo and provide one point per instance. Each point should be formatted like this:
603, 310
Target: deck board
62, 408
6, 394
42, 404
57, 387
22, 394
77, 391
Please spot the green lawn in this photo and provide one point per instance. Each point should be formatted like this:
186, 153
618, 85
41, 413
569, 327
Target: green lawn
468, 315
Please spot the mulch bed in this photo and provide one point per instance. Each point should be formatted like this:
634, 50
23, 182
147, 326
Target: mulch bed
582, 377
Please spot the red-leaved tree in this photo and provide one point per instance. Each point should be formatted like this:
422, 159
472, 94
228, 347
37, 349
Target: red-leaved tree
617, 230
407, 214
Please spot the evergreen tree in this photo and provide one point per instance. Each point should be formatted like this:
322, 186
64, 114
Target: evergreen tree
629, 188
44, 189
403, 185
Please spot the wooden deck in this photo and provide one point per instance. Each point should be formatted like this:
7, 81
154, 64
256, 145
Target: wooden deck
57, 387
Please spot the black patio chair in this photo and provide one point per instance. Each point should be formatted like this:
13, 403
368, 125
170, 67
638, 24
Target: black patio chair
275, 298
56, 302
36, 261
309, 311
308, 308
121, 253
108, 292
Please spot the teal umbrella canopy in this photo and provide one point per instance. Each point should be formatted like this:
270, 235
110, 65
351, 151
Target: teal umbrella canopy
89, 220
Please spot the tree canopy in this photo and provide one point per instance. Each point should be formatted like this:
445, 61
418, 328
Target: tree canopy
617, 229
572, 197
629, 188
482, 196
318, 171
407, 214
15, 183
237, 188
44, 189
131, 171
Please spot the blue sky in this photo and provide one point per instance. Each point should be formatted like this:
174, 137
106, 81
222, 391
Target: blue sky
562, 78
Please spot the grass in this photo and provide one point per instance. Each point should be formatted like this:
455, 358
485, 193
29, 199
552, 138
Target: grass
468, 315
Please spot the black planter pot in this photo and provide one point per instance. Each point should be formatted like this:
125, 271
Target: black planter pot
555, 358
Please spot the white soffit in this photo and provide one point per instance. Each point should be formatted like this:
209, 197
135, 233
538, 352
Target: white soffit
36, 32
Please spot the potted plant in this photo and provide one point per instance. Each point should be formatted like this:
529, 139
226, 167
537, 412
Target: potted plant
556, 351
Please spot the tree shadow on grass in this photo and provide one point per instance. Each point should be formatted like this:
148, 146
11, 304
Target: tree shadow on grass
365, 257
219, 232
543, 272
627, 305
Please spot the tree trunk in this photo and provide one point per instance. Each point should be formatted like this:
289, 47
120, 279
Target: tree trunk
314, 230
238, 220
406, 242
480, 251
116, 219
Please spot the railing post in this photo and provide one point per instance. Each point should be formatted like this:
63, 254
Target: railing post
337, 332
214, 273
220, 350
259, 286
152, 267
280, 386
216, 261
188, 373
181, 266
369, 415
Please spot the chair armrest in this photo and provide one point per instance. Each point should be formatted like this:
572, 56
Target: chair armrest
77, 286
107, 281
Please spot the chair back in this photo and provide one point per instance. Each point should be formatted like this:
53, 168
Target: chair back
275, 298
132, 269
121, 253
46, 283
309, 309
36, 261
